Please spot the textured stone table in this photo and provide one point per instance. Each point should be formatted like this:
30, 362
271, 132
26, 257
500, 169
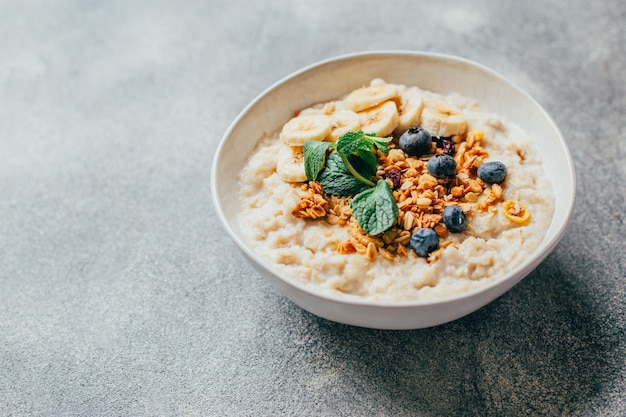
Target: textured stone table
120, 295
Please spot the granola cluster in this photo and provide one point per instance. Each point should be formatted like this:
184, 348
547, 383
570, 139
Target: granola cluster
421, 198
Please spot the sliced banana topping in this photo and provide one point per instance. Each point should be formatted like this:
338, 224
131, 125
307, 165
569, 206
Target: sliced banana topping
307, 127
381, 119
409, 110
343, 121
290, 164
366, 97
442, 120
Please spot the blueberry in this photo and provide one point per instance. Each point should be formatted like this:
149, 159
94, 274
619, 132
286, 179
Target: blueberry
441, 166
424, 241
454, 219
415, 141
492, 172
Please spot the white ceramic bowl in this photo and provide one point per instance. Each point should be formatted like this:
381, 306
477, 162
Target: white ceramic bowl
332, 78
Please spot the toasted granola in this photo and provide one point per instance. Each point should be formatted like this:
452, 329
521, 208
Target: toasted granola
421, 198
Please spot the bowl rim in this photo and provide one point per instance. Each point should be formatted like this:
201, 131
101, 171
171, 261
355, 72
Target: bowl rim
521, 271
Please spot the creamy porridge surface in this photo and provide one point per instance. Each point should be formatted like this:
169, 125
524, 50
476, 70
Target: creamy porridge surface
331, 255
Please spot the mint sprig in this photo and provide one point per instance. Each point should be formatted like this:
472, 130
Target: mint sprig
348, 171
356, 150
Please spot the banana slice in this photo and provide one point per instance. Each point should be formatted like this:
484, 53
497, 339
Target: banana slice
381, 119
410, 110
290, 164
442, 120
366, 97
302, 128
343, 121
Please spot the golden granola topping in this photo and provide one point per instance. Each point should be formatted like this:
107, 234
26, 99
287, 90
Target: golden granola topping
421, 199
312, 205
516, 212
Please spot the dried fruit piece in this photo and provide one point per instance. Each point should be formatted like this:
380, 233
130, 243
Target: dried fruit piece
395, 176
516, 211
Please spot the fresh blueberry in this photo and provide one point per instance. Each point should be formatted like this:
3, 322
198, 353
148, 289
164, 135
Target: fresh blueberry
441, 166
454, 219
424, 241
492, 172
415, 141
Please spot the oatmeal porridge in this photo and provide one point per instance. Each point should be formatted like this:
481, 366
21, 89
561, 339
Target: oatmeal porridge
395, 193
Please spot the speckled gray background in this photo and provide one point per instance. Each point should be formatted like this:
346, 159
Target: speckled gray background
120, 295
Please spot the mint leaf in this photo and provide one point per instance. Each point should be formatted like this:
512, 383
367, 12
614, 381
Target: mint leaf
381, 144
357, 148
314, 157
354, 142
337, 179
354, 171
365, 166
375, 209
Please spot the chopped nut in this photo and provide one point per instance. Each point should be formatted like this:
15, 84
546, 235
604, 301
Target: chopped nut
346, 247
474, 187
428, 180
396, 155
403, 238
371, 251
441, 230
497, 190
406, 185
457, 191
332, 219
360, 248
408, 220
423, 202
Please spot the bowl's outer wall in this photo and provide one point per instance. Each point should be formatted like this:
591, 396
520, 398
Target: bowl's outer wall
438, 73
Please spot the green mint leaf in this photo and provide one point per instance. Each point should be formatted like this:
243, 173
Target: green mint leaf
352, 143
381, 144
337, 179
348, 162
314, 157
358, 149
375, 209
368, 165
365, 164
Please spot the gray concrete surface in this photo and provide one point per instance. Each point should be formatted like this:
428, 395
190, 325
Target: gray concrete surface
120, 295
